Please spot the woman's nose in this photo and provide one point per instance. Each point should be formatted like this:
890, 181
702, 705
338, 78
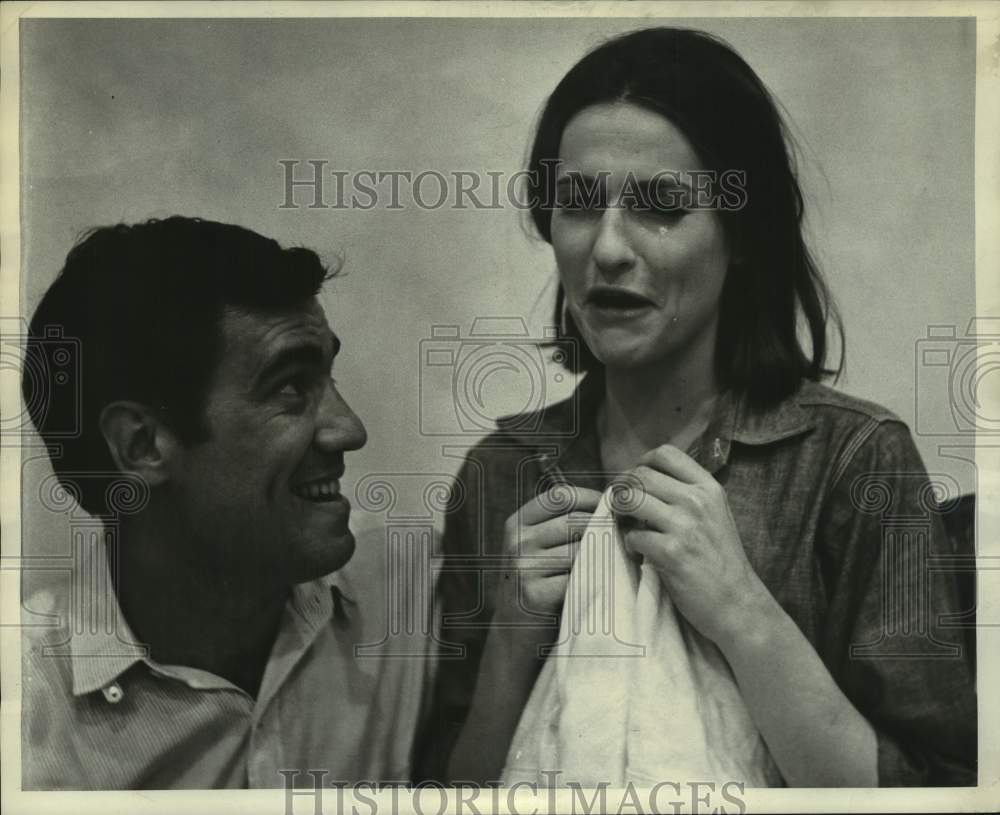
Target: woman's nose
338, 427
612, 250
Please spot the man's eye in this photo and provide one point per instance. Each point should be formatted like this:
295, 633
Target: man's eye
302, 387
296, 387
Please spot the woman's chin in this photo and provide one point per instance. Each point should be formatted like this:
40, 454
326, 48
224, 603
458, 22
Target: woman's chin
620, 346
617, 358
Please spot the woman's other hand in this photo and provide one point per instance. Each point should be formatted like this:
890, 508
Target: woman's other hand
540, 543
688, 534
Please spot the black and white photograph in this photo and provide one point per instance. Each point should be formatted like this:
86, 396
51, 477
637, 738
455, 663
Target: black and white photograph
502, 407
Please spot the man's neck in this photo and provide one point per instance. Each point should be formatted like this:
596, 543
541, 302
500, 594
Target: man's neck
191, 618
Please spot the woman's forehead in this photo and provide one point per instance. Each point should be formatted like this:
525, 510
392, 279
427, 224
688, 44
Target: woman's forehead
619, 137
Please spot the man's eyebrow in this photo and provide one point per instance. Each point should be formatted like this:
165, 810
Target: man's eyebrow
309, 354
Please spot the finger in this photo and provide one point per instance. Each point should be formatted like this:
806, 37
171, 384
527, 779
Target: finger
675, 462
662, 487
559, 500
554, 531
648, 545
552, 561
537, 539
545, 596
655, 515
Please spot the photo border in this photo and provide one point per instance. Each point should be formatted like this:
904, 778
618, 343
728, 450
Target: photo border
987, 215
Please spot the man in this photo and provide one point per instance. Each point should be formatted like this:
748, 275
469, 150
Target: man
205, 392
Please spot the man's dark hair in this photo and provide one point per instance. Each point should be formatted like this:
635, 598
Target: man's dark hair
145, 304
702, 86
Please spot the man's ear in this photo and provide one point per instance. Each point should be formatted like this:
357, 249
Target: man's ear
138, 440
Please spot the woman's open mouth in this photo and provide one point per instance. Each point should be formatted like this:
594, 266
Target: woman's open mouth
615, 302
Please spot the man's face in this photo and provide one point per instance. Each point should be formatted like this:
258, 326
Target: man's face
261, 497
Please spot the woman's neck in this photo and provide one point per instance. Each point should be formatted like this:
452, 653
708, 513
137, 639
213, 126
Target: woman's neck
644, 408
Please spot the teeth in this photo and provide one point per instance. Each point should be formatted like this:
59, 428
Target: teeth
318, 491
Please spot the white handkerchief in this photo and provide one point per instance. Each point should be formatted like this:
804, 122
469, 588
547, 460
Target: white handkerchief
631, 693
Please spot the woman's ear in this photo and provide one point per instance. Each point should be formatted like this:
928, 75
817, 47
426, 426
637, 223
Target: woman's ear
138, 440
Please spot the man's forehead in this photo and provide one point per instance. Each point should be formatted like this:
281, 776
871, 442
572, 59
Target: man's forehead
262, 333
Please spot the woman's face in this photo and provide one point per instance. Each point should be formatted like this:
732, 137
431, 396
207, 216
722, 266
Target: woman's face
642, 282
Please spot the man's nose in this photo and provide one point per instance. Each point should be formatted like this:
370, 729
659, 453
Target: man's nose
612, 249
338, 428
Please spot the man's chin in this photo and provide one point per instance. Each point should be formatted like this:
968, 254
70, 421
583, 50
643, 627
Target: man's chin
342, 552
325, 555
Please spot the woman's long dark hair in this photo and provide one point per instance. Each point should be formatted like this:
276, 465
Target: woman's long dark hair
727, 114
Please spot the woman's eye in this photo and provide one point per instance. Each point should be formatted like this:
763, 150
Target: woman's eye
662, 212
579, 203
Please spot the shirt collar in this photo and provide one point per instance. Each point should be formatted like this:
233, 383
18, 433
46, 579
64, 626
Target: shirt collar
733, 421
102, 646
318, 602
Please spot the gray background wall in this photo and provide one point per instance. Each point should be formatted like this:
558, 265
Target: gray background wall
125, 120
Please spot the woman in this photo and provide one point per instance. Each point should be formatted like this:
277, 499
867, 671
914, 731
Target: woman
675, 221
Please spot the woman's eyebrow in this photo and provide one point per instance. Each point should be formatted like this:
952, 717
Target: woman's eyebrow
653, 183
589, 185
668, 182
579, 176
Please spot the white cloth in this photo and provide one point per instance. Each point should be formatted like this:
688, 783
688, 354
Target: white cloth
631, 693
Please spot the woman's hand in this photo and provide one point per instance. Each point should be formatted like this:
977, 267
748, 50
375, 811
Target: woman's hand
687, 533
540, 543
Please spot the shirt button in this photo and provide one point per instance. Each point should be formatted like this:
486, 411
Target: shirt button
113, 693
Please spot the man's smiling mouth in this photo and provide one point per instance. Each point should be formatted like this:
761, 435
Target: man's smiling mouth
319, 491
